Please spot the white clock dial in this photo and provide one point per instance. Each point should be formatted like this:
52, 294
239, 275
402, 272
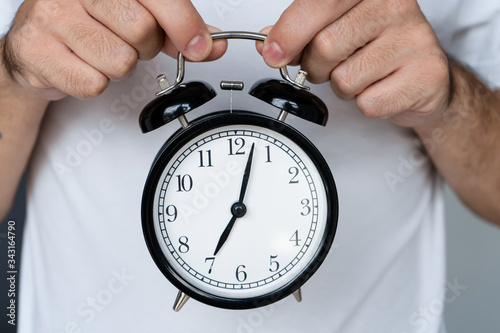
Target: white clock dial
270, 244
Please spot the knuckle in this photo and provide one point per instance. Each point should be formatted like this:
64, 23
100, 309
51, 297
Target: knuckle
343, 81
124, 63
324, 44
91, 86
143, 25
43, 12
404, 8
370, 106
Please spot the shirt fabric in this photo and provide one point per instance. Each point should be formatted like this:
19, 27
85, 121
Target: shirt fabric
86, 268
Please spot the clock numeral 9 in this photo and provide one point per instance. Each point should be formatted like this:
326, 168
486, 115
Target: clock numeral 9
237, 143
294, 171
184, 183
295, 238
171, 212
184, 247
274, 264
241, 275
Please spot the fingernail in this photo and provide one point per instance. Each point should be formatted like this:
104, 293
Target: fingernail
273, 54
197, 48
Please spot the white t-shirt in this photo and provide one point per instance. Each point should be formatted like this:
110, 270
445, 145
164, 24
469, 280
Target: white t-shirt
86, 268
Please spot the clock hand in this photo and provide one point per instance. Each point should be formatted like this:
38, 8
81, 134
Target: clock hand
246, 175
238, 209
225, 234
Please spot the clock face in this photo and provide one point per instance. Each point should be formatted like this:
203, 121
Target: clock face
239, 212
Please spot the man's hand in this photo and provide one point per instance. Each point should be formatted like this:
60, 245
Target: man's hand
74, 47
383, 53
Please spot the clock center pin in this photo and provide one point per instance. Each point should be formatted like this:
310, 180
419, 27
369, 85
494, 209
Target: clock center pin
239, 209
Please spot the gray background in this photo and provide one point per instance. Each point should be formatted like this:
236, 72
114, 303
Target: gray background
473, 262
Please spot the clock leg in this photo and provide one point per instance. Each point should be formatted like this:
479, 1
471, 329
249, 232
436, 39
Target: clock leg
180, 301
298, 295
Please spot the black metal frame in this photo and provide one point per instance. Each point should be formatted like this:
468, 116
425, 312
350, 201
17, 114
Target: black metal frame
168, 151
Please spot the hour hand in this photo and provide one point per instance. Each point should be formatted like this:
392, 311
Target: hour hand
238, 209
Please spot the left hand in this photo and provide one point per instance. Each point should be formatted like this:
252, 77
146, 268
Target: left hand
383, 53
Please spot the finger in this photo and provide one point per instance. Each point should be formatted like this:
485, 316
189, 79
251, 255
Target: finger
416, 86
260, 45
297, 26
341, 39
131, 21
219, 47
96, 45
369, 64
183, 25
66, 74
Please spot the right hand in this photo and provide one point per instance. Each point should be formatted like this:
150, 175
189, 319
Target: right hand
74, 47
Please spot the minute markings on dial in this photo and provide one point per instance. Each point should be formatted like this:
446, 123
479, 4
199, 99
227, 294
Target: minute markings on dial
239, 206
190, 266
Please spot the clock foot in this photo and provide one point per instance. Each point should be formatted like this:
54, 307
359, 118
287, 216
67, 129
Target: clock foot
298, 295
180, 301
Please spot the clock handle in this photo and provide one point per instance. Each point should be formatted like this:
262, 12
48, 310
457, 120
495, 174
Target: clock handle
181, 62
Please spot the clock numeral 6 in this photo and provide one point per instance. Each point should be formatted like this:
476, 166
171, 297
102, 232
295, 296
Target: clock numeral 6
275, 265
184, 183
171, 212
237, 143
184, 247
241, 275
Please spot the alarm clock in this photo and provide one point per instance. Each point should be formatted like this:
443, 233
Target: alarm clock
239, 208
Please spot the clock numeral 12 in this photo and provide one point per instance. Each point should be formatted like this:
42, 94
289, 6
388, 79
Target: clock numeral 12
208, 154
237, 143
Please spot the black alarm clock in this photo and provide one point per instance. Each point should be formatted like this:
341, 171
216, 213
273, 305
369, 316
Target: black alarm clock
239, 208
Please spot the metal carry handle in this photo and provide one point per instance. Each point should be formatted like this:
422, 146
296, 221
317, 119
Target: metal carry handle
181, 62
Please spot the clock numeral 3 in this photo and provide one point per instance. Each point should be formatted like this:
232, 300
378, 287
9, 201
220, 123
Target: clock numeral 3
275, 265
184, 247
295, 238
294, 171
184, 183
208, 154
241, 275
237, 144
306, 207
171, 212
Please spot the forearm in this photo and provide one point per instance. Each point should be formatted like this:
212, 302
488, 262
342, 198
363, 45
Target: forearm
464, 144
20, 116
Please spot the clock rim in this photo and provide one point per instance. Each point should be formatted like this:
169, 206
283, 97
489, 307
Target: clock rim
168, 151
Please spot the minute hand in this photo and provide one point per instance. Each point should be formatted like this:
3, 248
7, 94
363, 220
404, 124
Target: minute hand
246, 176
